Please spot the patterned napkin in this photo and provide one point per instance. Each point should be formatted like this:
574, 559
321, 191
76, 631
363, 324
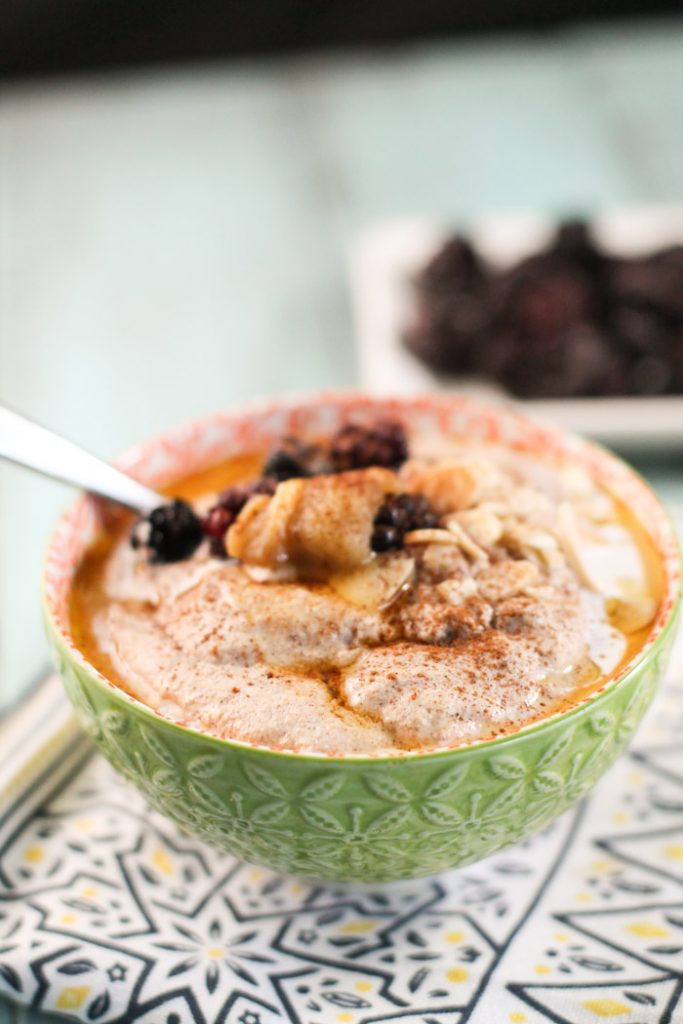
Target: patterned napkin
109, 914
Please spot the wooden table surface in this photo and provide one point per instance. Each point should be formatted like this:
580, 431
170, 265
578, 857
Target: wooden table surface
174, 241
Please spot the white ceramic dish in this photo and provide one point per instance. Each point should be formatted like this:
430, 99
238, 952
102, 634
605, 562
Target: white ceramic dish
384, 258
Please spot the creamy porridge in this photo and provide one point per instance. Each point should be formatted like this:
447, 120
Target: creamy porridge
371, 594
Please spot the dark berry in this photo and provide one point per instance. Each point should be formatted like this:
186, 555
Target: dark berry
572, 319
357, 447
286, 461
452, 312
575, 243
543, 297
283, 466
236, 497
654, 284
170, 533
419, 513
264, 486
399, 514
386, 538
216, 524
455, 264
391, 515
650, 375
292, 458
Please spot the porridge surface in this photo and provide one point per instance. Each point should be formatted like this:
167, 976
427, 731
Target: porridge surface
518, 591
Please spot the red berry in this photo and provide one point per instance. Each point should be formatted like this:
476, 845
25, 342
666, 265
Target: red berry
220, 518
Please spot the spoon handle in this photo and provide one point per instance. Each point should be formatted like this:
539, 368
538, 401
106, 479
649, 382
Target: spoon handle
31, 445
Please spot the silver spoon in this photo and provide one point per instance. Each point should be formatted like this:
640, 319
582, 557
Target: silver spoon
29, 444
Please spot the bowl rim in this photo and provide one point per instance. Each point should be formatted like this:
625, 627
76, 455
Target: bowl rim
568, 443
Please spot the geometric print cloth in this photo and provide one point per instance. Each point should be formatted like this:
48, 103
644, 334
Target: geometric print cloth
109, 914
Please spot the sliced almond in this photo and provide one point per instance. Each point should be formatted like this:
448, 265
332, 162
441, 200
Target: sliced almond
572, 546
630, 615
376, 584
496, 508
482, 526
430, 536
598, 508
533, 542
471, 549
457, 591
576, 481
451, 485
527, 502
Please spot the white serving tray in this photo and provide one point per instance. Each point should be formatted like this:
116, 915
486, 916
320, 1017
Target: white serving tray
384, 258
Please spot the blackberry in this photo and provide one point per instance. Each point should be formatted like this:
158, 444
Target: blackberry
456, 264
173, 532
572, 319
400, 514
236, 497
292, 458
286, 461
574, 241
282, 466
386, 538
357, 447
222, 515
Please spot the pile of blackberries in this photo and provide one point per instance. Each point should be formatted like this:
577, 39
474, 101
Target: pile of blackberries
572, 320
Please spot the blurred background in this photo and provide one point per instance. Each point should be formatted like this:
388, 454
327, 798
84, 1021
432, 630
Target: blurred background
180, 183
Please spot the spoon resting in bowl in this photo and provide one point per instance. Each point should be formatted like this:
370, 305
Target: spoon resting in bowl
169, 529
28, 444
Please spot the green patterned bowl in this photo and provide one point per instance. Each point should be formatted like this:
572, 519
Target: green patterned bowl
361, 819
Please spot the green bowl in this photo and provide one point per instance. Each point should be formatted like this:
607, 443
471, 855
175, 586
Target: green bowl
361, 819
